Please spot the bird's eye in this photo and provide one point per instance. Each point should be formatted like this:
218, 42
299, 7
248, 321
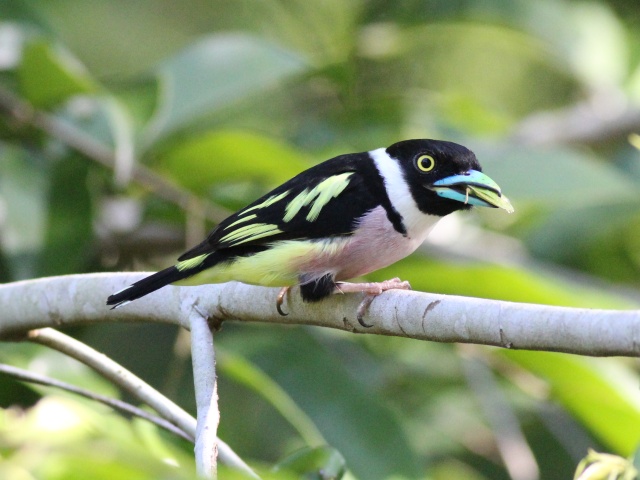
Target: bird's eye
425, 163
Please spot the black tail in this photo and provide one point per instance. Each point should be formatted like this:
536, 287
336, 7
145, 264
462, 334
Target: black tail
147, 285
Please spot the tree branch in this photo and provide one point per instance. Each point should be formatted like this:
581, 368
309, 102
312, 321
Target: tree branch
206, 390
600, 117
79, 299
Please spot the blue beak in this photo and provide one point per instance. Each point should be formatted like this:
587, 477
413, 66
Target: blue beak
472, 188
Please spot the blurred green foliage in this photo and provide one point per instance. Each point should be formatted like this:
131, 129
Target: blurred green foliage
226, 99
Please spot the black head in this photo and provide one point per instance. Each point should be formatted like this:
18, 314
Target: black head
424, 162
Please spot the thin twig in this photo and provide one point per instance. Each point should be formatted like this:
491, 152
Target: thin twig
134, 386
20, 111
115, 373
116, 404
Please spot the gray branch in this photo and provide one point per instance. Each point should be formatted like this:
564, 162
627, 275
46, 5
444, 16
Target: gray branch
600, 117
206, 390
79, 299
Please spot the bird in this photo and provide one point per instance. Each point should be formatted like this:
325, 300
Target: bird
338, 220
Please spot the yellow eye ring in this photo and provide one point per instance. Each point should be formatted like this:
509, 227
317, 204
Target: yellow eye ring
425, 163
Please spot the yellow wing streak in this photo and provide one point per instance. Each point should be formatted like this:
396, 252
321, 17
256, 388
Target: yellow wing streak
294, 206
191, 262
244, 219
330, 188
269, 201
250, 232
318, 196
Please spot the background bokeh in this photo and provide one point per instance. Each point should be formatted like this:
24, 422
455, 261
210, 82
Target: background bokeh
191, 109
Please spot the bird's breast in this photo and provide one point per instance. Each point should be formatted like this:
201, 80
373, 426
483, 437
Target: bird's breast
374, 244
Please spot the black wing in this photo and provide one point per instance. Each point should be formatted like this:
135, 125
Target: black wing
323, 201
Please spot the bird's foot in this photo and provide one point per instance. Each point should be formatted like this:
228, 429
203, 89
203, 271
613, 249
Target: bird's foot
372, 290
280, 300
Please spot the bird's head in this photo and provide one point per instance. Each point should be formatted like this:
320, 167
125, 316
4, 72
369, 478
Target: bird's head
444, 177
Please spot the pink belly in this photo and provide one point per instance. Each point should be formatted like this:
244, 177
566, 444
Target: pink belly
374, 245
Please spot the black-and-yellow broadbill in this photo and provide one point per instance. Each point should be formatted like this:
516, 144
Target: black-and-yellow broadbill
338, 220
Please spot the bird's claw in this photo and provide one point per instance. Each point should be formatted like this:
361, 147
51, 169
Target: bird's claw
280, 300
372, 290
362, 309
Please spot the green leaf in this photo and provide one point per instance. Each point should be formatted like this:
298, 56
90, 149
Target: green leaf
69, 237
67, 438
249, 375
457, 52
470, 114
585, 226
214, 73
326, 31
349, 413
231, 156
580, 197
636, 458
23, 13
556, 176
49, 75
601, 62
23, 208
601, 393
320, 463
